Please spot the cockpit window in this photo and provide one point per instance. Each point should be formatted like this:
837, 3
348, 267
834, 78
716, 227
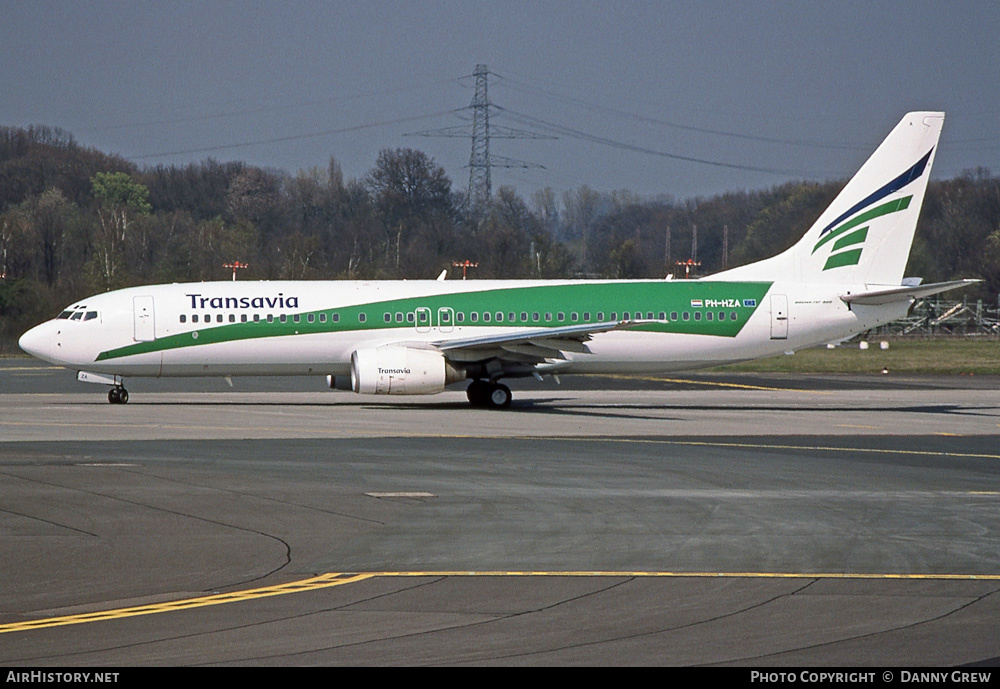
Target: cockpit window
65, 314
90, 315
77, 316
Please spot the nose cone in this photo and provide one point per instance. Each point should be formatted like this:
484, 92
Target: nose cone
37, 341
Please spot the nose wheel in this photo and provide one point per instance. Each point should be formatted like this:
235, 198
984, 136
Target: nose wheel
118, 395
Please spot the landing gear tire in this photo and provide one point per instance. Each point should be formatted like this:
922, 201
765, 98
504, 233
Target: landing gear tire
478, 392
500, 396
489, 395
118, 395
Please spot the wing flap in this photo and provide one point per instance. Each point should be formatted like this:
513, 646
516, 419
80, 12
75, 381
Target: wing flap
529, 346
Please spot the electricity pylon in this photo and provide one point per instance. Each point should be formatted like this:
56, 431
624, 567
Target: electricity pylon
481, 160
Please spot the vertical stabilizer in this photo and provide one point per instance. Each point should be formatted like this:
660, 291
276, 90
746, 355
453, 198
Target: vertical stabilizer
864, 236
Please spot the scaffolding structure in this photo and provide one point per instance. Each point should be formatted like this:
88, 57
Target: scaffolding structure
935, 317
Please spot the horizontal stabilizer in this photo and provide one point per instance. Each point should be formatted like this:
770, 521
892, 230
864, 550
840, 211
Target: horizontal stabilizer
896, 294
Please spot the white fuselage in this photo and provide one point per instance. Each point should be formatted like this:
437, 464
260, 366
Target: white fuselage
788, 317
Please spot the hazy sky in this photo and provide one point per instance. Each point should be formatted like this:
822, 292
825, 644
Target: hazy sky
763, 92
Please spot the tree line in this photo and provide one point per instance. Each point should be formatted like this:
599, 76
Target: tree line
75, 221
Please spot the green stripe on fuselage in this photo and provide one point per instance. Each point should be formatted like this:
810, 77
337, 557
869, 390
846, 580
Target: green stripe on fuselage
638, 299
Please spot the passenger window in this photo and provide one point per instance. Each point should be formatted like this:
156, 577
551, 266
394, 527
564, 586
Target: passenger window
399, 316
673, 315
256, 318
600, 316
486, 316
560, 316
243, 318
586, 316
322, 318
697, 315
335, 317
534, 316
524, 316
194, 318
387, 317
183, 318
510, 317
686, 316
708, 315
270, 318
297, 318
499, 317
218, 318
311, 318
282, 318
232, 318
733, 316
362, 317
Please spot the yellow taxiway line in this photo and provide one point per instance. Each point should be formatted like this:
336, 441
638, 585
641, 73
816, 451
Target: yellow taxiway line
686, 381
331, 579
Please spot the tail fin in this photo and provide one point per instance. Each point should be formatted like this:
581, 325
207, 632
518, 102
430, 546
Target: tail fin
864, 236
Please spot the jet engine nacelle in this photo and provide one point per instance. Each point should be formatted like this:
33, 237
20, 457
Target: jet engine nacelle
396, 370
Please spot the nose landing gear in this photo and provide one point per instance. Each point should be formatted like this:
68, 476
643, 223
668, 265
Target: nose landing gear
118, 395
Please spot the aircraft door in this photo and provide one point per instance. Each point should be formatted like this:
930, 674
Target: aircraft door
423, 318
779, 317
144, 319
446, 319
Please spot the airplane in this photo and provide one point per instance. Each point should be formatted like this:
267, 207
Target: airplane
416, 337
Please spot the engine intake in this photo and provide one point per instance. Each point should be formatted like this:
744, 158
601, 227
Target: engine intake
395, 370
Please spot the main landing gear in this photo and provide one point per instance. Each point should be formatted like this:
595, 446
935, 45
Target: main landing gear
118, 395
490, 395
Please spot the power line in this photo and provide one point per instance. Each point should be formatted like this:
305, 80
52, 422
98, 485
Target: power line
621, 145
293, 137
674, 125
259, 109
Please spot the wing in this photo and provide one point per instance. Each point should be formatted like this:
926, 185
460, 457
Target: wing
529, 347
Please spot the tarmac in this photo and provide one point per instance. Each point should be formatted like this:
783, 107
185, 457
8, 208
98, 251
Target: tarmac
684, 519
